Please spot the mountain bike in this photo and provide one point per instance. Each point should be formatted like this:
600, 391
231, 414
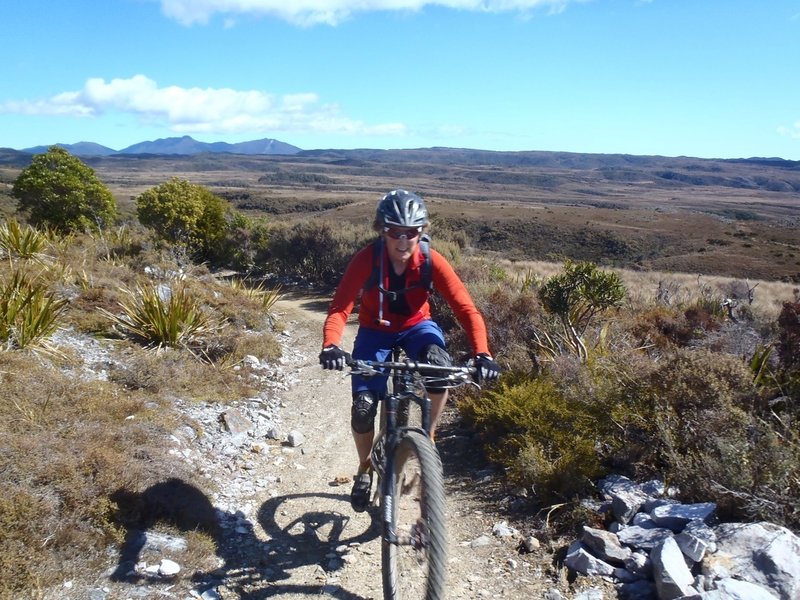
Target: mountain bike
410, 489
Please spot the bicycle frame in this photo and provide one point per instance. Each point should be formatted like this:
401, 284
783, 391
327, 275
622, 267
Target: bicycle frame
403, 390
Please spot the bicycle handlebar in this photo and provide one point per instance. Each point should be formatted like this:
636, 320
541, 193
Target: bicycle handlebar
374, 367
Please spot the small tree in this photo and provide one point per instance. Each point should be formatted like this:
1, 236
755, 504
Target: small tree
577, 295
60, 191
184, 213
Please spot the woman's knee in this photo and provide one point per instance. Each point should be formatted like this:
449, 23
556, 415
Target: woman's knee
363, 411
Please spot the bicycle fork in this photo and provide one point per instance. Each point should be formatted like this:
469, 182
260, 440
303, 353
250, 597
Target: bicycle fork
388, 480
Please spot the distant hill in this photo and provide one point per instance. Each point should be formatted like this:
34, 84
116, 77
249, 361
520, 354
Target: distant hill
79, 149
185, 145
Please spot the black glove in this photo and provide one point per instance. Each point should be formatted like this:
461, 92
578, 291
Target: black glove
333, 357
487, 368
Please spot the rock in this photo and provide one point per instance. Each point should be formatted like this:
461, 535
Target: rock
761, 553
235, 422
696, 539
531, 543
295, 438
640, 565
580, 560
677, 516
590, 594
638, 537
168, 568
644, 520
673, 578
638, 590
605, 545
625, 495
158, 542
653, 488
481, 541
626, 503
503, 529
734, 589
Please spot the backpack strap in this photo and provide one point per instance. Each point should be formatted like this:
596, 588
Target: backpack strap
426, 274
377, 260
426, 270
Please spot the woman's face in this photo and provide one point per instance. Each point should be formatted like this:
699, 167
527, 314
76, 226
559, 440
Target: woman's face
401, 242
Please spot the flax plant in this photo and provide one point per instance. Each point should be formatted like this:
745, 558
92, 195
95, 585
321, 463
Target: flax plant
22, 242
161, 317
264, 296
28, 312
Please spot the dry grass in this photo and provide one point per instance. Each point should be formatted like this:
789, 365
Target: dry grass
71, 441
683, 289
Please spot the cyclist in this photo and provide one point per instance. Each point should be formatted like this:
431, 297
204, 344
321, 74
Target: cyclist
395, 311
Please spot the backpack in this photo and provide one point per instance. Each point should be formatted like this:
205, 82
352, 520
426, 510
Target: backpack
426, 270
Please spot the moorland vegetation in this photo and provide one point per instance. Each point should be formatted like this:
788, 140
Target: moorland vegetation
693, 379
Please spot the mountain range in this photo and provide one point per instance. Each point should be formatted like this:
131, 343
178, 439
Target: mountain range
176, 145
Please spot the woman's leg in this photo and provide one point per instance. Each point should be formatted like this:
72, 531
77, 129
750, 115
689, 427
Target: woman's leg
425, 342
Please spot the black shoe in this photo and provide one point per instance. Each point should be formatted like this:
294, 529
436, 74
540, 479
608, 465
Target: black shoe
359, 495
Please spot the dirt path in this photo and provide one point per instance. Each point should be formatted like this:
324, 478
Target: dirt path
324, 547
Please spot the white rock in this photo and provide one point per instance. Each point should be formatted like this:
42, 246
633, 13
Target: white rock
168, 568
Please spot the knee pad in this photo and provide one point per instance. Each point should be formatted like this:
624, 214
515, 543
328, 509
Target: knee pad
435, 355
363, 411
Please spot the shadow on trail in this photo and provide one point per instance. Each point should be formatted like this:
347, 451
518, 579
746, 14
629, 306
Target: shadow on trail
252, 568
309, 538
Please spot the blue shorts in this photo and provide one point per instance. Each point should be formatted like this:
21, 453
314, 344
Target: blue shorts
374, 344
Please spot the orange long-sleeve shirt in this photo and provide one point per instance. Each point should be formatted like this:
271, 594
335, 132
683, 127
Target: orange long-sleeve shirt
445, 280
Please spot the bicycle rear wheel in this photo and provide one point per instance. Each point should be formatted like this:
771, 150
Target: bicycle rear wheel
416, 566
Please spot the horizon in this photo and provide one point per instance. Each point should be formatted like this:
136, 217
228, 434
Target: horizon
635, 77
120, 150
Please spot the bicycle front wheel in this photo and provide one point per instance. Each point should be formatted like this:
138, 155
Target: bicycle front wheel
415, 567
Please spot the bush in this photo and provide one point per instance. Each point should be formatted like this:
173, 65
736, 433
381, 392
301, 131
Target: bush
59, 191
545, 440
576, 296
315, 251
21, 242
712, 436
789, 342
188, 215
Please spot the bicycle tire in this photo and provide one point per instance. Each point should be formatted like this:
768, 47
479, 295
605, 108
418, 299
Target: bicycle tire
417, 568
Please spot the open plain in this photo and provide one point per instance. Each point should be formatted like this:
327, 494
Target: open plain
735, 218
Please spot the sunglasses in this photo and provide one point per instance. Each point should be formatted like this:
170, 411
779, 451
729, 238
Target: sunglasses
399, 233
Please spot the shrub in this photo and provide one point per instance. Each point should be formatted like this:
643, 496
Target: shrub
60, 191
188, 215
710, 437
576, 296
545, 440
789, 342
315, 251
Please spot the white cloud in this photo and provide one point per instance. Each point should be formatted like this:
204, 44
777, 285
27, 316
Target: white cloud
792, 131
331, 12
200, 110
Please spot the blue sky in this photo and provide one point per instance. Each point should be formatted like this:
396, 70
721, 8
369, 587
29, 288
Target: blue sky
705, 78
